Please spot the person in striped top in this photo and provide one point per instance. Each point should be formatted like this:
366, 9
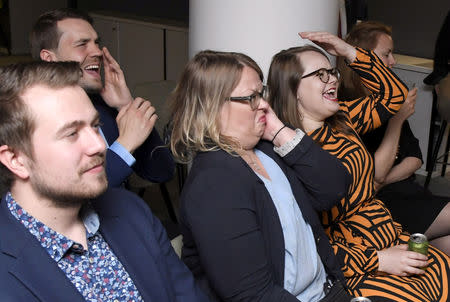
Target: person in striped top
370, 245
395, 149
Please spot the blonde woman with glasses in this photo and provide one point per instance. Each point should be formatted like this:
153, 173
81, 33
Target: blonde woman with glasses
248, 207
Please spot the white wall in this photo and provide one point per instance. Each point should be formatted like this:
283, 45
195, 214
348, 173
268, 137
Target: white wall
258, 28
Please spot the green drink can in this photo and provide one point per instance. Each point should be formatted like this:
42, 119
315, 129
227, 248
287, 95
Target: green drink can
418, 243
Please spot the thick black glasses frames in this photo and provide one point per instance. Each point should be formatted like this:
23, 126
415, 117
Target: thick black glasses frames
253, 99
324, 74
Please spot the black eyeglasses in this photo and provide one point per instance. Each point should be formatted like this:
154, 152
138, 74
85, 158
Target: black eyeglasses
253, 99
324, 74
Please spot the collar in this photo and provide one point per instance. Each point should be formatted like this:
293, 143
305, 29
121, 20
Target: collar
53, 242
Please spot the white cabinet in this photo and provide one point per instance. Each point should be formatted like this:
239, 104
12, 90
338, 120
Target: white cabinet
108, 31
141, 52
146, 51
412, 71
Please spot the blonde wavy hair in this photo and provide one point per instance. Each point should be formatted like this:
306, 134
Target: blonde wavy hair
205, 84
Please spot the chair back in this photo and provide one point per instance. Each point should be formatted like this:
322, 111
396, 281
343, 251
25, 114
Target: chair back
443, 98
157, 93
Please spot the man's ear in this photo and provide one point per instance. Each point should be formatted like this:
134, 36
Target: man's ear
47, 55
14, 161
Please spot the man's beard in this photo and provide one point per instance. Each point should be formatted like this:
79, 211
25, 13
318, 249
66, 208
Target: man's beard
91, 88
68, 196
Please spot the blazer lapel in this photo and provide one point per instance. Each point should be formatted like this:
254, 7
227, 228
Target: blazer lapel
137, 254
31, 264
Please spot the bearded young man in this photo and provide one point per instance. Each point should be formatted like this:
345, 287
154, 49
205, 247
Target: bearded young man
64, 236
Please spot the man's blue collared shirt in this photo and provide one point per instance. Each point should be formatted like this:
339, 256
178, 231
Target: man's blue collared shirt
120, 150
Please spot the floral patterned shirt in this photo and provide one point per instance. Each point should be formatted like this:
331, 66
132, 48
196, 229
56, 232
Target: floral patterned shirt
96, 272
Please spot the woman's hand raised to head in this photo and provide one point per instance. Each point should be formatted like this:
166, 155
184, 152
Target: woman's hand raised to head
331, 44
275, 131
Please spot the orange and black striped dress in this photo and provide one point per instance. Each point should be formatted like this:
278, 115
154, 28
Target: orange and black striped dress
361, 224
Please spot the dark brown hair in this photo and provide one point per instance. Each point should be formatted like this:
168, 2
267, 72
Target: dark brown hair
205, 83
17, 124
284, 78
365, 35
45, 34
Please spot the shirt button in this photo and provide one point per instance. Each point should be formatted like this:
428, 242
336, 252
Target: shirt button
91, 260
116, 300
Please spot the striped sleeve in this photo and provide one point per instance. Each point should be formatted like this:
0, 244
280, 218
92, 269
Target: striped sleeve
388, 93
357, 258
370, 225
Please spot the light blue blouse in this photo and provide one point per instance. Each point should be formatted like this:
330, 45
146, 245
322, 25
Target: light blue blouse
304, 273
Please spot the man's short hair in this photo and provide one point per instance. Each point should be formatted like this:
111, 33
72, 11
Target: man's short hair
45, 34
16, 123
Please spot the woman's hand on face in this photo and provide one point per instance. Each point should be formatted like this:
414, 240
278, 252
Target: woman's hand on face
397, 260
273, 124
273, 127
331, 44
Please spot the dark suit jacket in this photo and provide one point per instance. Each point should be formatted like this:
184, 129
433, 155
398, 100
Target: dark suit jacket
27, 273
233, 240
152, 163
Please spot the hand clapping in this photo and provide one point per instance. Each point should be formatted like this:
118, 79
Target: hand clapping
135, 122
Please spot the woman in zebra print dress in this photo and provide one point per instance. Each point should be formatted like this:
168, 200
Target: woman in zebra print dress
371, 246
395, 149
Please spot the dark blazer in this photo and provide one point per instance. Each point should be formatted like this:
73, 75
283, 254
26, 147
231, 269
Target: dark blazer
27, 273
233, 240
153, 162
